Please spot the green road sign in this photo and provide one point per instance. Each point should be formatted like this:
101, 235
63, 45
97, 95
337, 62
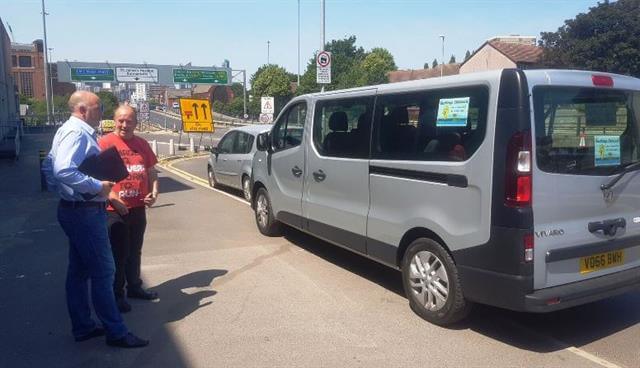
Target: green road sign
200, 76
92, 74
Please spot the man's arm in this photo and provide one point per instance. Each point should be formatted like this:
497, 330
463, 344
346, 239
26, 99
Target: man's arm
70, 154
152, 174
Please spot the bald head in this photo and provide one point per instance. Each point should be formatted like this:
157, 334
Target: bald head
86, 106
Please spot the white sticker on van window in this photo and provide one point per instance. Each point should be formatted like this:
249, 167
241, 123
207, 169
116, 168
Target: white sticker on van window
453, 112
607, 149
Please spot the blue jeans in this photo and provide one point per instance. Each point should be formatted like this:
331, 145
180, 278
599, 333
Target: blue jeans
90, 258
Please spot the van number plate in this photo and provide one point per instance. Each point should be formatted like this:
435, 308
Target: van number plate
601, 261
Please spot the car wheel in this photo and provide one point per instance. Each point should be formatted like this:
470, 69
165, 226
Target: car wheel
246, 188
213, 183
266, 221
432, 284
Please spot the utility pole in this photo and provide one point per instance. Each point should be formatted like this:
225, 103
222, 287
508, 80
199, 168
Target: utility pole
442, 63
298, 44
268, 46
46, 63
322, 30
53, 106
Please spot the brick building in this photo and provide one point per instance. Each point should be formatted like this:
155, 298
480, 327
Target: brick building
27, 67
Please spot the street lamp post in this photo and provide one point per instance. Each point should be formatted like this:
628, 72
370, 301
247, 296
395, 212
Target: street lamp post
268, 47
46, 63
442, 63
298, 44
53, 106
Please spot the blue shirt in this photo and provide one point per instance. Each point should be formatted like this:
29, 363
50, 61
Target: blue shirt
74, 141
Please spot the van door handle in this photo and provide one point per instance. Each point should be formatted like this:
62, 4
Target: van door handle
608, 227
319, 175
296, 171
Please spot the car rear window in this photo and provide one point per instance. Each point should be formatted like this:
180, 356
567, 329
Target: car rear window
586, 131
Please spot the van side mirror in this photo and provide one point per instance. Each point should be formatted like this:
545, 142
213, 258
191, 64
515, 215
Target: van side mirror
214, 150
263, 141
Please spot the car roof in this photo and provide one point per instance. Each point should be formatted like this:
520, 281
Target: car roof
253, 128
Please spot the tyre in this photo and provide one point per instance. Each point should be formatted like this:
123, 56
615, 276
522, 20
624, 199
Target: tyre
432, 284
212, 177
246, 188
265, 219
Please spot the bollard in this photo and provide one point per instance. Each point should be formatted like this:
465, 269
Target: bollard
154, 147
42, 154
192, 148
172, 148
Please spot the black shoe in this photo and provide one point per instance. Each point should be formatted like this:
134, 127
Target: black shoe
98, 331
128, 341
142, 294
123, 306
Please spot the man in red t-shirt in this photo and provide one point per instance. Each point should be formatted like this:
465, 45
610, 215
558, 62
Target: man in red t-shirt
127, 201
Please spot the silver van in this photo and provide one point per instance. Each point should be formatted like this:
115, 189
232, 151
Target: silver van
513, 188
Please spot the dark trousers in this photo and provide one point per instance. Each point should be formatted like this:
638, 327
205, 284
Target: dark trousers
126, 234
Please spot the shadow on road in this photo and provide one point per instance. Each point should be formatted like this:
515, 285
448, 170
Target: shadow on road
168, 185
541, 333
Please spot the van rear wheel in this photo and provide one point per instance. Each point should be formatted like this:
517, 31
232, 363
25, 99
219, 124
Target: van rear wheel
265, 219
431, 283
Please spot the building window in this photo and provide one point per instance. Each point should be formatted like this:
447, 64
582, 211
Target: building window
24, 61
26, 84
14, 61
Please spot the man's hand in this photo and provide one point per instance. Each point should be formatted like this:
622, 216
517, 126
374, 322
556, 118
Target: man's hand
150, 199
106, 188
119, 206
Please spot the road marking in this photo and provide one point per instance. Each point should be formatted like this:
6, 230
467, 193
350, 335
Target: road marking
592, 357
195, 179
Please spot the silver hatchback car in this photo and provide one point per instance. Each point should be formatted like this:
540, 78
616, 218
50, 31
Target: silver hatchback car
229, 163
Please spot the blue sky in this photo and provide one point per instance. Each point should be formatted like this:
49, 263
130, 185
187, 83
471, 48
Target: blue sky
205, 32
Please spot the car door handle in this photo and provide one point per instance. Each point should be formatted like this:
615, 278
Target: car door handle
608, 227
319, 175
296, 171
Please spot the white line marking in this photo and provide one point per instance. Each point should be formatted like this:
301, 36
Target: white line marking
592, 357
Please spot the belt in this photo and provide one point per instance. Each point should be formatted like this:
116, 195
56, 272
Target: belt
80, 204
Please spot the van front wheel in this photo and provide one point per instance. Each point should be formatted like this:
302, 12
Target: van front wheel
432, 284
265, 219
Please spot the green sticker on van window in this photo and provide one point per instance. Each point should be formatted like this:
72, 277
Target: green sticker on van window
453, 112
607, 150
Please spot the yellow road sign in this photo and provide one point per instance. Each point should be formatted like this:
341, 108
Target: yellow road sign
196, 115
107, 126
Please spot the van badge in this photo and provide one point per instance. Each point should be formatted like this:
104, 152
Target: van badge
548, 233
608, 195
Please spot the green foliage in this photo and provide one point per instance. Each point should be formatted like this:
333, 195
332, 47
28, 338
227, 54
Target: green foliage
452, 60
271, 80
607, 38
467, 55
351, 66
109, 103
425, 66
435, 63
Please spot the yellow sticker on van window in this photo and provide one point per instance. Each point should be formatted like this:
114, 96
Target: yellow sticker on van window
453, 112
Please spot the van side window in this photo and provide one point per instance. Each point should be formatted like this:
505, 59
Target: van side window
341, 127
243, 143
227, 143
287, 132
435, 125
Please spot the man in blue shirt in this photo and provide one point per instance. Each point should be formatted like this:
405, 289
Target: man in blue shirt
82, 216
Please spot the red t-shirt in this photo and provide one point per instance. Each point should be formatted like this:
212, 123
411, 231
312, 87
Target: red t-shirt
138, 157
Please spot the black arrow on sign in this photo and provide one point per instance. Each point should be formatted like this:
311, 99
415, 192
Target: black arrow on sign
195, 109
204, 110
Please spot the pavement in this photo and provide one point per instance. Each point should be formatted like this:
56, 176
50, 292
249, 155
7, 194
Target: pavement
230, 297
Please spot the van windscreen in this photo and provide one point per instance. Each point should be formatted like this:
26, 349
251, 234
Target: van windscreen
586, 131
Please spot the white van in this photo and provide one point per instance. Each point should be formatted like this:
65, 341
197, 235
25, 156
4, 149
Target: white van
514, 188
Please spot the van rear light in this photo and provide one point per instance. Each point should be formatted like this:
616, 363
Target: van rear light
528, 247
602, 80
518, 181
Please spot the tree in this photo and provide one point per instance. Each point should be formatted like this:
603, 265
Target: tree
109, 103
607, 38
435, 63
452, 60
425, 66
375, 67
272, 80
345, 59
467, 55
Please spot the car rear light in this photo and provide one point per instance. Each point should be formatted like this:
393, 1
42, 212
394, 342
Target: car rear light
528, 247
518, 181
602, 80
553, 301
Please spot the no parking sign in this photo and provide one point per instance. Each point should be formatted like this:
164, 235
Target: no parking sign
323, 67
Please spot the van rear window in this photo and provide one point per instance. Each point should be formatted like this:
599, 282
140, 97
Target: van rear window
586, 131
